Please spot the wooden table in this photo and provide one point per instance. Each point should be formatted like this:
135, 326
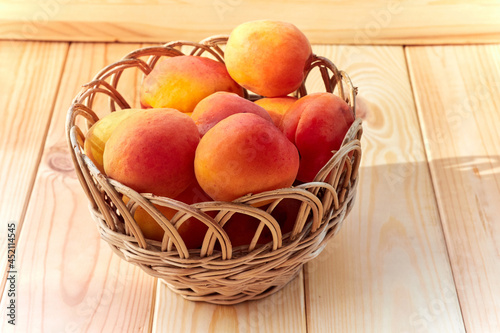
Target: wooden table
420, 251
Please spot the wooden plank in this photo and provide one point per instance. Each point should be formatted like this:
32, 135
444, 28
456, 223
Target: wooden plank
30, 73
359, 22
280, 312
458, 91
387, 270
68, 279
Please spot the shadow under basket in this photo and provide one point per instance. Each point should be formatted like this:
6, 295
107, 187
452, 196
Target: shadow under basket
216, 272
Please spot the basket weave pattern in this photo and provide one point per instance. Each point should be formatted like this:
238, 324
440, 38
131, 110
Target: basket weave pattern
217, 272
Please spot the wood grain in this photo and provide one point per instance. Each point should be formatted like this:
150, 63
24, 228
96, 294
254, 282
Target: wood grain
280, 312
387, 270
457, 91
30, 74
339, 22
68, 279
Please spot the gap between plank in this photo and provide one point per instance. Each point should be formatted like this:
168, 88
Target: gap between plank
153, 305
306, 296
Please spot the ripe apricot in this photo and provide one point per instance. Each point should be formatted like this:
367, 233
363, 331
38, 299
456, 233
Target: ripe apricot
191, 231
221, 105
268, 57
181, 82
97, 135
276, 106
242, 154
316, 124
153, 151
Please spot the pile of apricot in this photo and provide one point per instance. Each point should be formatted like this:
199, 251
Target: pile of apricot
196, 138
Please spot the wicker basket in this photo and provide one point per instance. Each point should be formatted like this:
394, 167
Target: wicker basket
217, 272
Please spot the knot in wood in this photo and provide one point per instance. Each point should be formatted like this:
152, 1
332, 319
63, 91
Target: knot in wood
59, 160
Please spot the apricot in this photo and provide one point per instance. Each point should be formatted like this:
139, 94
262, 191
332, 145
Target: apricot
242, 154
241, 229
267, 57
286, 213
181, 82
316, 124
149, 228
192, 231
99, 133
276, 106
221, 105
153, 152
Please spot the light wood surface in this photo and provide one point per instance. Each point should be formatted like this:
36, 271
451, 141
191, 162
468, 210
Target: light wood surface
418, 253
348, 22
29, 79
457, 92
389, 260
281, 312
68, 280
